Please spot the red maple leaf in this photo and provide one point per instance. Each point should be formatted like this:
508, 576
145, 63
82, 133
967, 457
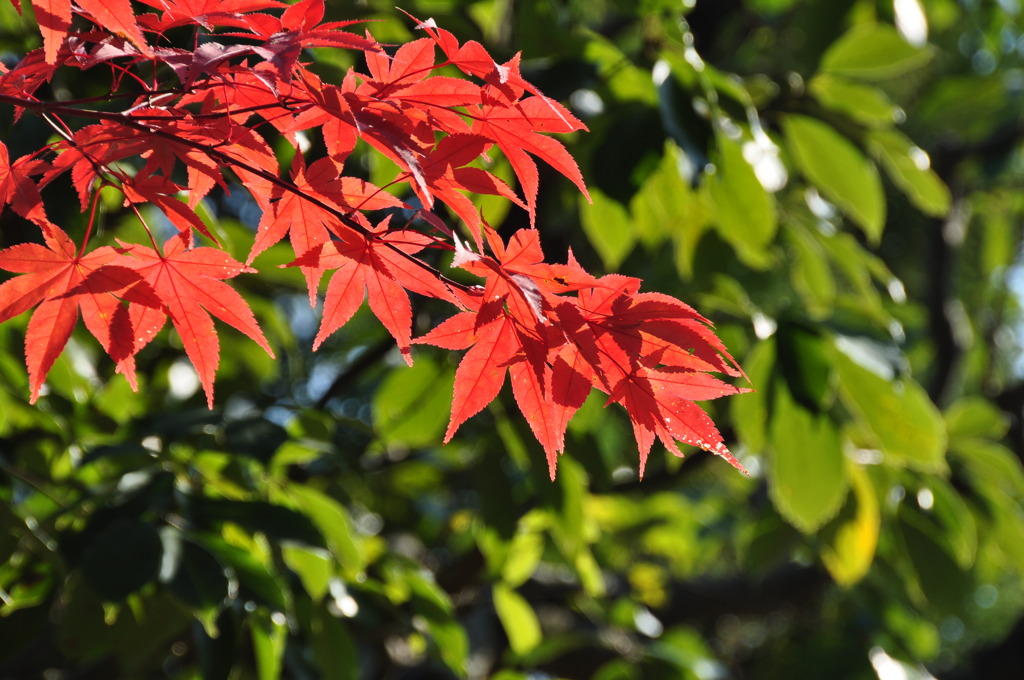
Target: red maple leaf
54, 19
518, 275
650, 353
18, 189
647, 351
207, 13
162, 192
63, 283
298, 28
444, 175
376, 268
492, 340
117, 17
406, 80
189, 284
516, 130
310, 224
508, 329
26, 77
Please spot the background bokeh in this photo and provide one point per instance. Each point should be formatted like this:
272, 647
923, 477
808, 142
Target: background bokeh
836, 184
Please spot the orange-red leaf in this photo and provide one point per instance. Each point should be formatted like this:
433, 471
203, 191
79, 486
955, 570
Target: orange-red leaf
54, 19
117, 17
368, 266
481, 372
189, 283
19, 190
60, 282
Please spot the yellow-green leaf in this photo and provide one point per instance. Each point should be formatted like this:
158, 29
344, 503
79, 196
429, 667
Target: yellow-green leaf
873, 52
836, 166
899, 415
853, 538
909, 168
518, 619
608, 226
863, 103
807, 477
745, 210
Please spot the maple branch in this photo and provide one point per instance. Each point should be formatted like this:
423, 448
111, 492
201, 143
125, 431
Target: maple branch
225, 159
92, 221
145, 226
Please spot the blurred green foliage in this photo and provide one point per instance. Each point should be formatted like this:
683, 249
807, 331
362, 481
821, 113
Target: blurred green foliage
835, 183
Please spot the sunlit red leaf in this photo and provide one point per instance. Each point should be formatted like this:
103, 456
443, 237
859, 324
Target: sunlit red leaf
117, 17
368, 266
57, 279
189, 283
54, 19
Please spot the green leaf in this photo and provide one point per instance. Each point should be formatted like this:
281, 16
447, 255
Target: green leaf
863, 103
433, 604
933, 577
608, 226
810, 272
452, 644
254, 578
745, 210
518, 619
625, 81
806, 473
411, 406
525, 550
908, 167
851, 540
121, 558
589, 573
331, 519
269, 635
993, 467
970, 417
873, 52
146, 628
956, 521
1007, 531
666, 204
853, 264
566, 497
837, 167
313, 566
899, 416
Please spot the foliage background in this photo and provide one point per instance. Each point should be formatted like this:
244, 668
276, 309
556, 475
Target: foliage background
753, 158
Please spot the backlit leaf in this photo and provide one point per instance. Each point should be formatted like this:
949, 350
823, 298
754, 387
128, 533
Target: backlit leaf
806, 470
899, 415
517, 618
909, 168
853, 536
745, 210
873, 51
838, 168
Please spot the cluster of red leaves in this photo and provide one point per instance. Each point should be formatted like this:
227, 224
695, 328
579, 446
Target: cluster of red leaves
555, 329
